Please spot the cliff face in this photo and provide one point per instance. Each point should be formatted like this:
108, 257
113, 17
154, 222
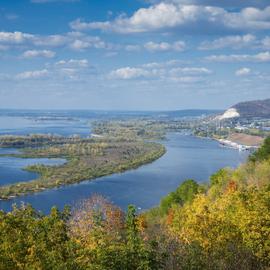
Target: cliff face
230, 113
248, 109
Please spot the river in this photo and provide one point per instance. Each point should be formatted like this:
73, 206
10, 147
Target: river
186, 157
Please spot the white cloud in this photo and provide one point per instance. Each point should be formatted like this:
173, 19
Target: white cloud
260, 57
235, 42
220, 3
15, 37
190, 71
129, 73
73, 40
86, 42
36, 74
81, 63
165, 46
266, 43
243, 71
169, 63
165, 71
72, 69
80, 45
38, 53
173, 15
60, 71
158, 46
51, 40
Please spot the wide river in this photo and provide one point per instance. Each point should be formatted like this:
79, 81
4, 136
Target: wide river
186, 157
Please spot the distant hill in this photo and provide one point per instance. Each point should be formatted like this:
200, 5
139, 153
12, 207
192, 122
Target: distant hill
248, 109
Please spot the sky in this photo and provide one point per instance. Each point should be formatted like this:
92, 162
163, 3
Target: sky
133, 54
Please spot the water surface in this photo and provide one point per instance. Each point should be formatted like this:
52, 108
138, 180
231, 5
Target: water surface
186, 157
12, 168
20, 125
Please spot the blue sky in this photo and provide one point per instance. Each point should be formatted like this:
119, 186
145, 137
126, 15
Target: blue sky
133, 54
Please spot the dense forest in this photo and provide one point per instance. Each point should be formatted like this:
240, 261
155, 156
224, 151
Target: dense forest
224, 224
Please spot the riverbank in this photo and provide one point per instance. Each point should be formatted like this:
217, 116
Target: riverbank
239, 142
246, 139
85, 161
240, 147
146, 185
242, 141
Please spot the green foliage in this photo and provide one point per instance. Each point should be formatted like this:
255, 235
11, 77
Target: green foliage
262, 153
184, 193
136, 255
219, 181
218, 178
224, 227
30, 240
167, 202
187, 190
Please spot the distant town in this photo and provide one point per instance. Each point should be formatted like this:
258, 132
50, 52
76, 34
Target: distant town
243, 126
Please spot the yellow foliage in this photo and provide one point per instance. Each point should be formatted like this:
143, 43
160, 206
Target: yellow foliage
238, 218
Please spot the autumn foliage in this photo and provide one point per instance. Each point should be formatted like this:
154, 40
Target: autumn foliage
223, 225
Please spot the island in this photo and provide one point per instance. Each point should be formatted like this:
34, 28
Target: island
87, 158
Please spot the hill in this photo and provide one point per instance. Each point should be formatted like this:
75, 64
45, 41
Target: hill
248, 109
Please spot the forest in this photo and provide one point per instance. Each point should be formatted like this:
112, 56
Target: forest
223, 224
